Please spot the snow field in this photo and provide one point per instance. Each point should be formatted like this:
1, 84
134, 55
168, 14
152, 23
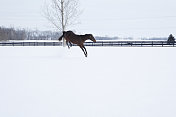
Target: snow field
110, 82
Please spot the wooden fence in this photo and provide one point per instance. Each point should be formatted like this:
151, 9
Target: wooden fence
98, 43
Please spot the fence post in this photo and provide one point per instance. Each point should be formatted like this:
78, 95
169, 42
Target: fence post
162, 44
152, 43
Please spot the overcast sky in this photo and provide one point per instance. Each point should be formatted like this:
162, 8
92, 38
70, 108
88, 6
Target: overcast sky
124, 18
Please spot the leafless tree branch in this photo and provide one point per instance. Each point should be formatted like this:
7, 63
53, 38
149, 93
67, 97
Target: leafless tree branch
62, 13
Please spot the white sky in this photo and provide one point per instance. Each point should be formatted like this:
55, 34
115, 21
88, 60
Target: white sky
124, 18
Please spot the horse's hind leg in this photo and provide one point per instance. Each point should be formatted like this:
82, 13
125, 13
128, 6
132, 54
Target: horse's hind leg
67, 44
70, 44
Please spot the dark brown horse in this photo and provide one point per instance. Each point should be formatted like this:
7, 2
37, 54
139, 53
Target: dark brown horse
71, 37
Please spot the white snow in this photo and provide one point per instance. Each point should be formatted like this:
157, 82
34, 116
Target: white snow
111, 82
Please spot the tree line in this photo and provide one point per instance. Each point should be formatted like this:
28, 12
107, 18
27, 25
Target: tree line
23, 34
12, 34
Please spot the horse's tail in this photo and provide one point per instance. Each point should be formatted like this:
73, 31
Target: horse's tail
63, 34
60, 38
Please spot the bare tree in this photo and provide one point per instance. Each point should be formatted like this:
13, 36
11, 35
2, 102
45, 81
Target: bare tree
62, 13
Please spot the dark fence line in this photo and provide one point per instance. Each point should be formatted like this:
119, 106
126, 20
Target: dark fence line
98, 43
30, 43
132, 44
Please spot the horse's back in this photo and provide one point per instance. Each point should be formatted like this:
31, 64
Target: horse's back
70, 36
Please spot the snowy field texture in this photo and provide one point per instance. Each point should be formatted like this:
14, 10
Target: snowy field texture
111, 82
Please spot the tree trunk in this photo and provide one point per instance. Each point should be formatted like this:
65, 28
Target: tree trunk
63, 24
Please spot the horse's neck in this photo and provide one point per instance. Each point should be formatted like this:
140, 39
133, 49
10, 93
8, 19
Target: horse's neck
84, 37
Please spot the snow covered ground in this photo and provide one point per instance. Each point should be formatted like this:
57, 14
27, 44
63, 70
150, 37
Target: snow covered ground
111, 82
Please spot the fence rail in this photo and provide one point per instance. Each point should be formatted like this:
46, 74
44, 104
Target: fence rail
98, 43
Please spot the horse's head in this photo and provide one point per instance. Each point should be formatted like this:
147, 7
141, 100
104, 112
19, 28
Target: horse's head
91, 37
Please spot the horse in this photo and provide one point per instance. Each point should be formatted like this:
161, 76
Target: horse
71, 37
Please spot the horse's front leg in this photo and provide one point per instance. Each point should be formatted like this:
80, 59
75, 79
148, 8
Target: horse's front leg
84, 50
